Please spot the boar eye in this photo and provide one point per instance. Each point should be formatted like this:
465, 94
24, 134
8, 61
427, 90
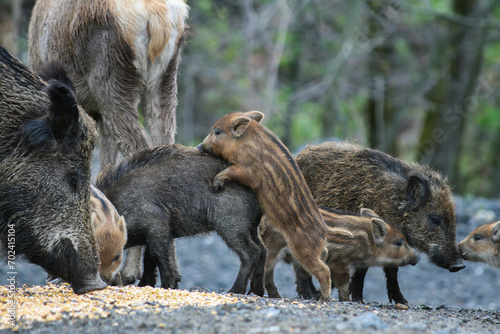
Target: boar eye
117, 257
435, 220
399, 243
217, 132
477, 237
73, 181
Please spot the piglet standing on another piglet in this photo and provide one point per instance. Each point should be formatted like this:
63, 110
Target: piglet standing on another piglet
482, 245
261, 162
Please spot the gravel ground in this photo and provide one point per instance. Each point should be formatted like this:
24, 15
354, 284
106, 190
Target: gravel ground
440, 302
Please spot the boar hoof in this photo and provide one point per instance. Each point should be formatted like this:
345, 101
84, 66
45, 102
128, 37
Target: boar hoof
323, 299
217, 185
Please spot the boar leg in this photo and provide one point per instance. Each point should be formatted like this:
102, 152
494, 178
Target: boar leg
271, 259
248, 252
341, 274
149, 273
257, 280
234, 173
393, 291
162, 249
303, 282
131, 270
159, 102
108, 150
357, 284
310, 259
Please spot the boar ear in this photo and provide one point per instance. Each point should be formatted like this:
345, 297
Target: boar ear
239, 126
335, 231
379, 231
417, 191
63, 115
59, 127
495, 233
55, 70
122, 227
255, 115
368, 213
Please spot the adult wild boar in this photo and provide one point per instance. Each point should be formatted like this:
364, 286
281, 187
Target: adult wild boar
46, 146
165, 192
413, 197
118, 54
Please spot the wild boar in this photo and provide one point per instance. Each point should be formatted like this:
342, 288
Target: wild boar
260, 161
46, 147
110, 234
165, 192
413, 197
482, 245
353, 241
118, 54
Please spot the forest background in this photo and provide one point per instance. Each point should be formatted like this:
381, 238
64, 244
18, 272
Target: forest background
418, 79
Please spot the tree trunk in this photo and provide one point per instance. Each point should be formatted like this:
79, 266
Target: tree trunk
445, 122
380, 109
10, 16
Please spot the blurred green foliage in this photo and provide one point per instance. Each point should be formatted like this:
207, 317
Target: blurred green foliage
376, 72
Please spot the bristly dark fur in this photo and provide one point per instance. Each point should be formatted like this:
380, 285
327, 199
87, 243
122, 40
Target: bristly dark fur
143, 158
55, 71
11, 64
59, 126
165, 192
413, 197
45, 197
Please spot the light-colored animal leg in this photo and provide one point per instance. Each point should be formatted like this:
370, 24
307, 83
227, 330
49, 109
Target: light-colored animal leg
310, 259
132, 267
159, 102
108, 150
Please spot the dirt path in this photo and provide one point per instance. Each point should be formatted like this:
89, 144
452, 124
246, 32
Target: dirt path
55, 309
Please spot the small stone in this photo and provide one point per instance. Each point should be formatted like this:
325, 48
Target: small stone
401, 307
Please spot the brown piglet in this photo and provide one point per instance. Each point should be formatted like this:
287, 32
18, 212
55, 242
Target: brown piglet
482, 245
111, 236
353, 242
260, 161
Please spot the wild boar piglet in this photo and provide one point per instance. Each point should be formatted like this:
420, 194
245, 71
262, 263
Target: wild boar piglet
353, 242
110, 234
260, 161
483, 245
165, 192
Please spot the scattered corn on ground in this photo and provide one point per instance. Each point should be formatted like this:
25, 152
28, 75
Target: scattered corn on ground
53, 302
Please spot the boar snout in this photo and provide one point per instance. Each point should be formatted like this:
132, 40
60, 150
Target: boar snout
457, 266
415, 259
201, 148
90, 283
